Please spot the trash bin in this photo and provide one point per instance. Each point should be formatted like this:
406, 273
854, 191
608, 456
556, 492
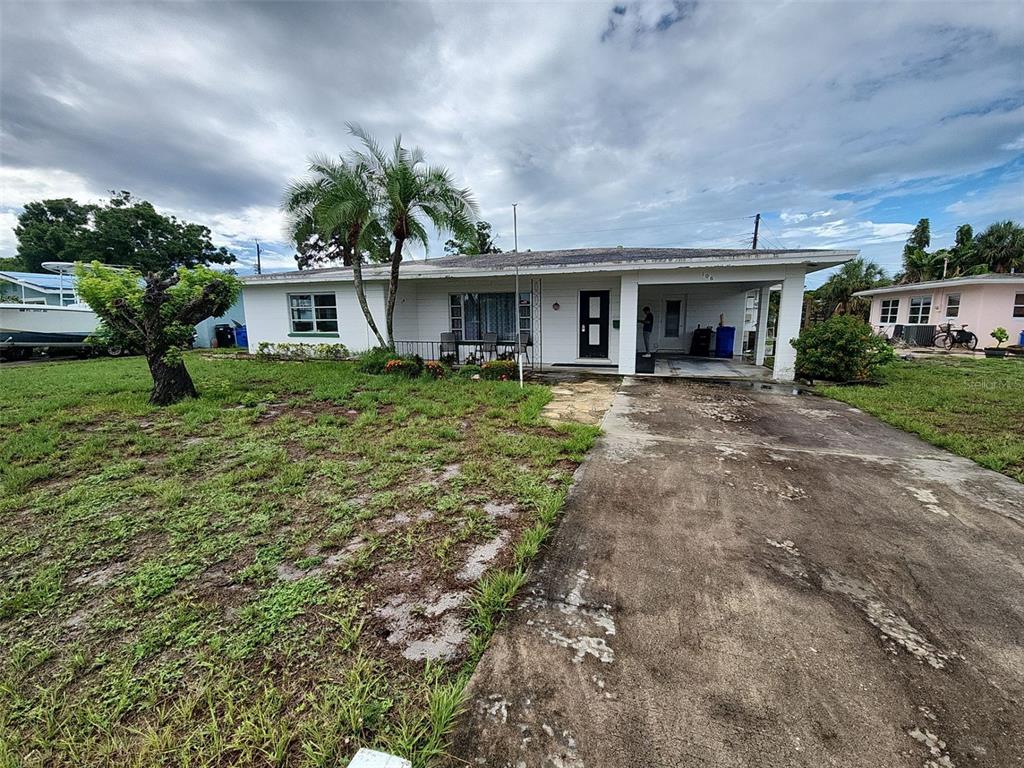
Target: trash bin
1021, 339
242, 337
725, 340
224, 334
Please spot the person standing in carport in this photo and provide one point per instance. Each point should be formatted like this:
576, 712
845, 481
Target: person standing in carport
648, 326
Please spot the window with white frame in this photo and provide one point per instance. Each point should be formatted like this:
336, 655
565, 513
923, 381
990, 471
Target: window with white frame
920, 310
953, 305
473, 314
1018, 305
313, 312
890, 310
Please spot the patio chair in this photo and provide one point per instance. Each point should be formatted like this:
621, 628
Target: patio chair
523, 345
489, 346
449, 347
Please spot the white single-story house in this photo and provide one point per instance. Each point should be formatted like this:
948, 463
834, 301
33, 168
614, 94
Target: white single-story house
982, 302
577, 307
38, 288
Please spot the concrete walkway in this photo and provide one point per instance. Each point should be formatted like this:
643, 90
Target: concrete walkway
754, 579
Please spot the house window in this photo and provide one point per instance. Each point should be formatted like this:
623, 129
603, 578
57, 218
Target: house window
313, 312
890, 309
474, 314
920, 310
953, 305
673, 313
1018, 305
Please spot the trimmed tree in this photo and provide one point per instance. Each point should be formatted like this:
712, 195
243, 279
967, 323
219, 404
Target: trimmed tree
157, 314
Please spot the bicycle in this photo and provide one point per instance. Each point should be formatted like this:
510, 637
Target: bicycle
948, 337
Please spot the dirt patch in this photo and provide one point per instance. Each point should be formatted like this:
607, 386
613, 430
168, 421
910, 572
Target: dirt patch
585, 400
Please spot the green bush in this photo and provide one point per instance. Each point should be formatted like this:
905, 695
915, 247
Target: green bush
300, 351
374, 360
411, 366
1001, 335
469, 371
843, 348
499, 369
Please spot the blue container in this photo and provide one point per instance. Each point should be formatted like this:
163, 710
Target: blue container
1021, 339
242, 337
725, 339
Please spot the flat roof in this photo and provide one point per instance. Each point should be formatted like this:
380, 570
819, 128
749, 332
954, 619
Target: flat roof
569, 261
991, 278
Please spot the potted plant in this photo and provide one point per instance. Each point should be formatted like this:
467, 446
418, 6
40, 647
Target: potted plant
1000, 335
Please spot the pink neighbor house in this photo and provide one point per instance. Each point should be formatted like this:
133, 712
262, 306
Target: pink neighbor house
983, 302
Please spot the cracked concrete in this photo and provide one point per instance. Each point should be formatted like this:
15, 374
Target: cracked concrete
828, 591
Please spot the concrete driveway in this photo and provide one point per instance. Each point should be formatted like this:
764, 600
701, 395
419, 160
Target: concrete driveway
754, 579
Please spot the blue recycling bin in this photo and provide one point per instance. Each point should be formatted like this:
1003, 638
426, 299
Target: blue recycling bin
1021, 339
725, 340
242, 337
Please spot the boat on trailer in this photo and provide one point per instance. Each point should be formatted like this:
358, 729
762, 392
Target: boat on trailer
25, 327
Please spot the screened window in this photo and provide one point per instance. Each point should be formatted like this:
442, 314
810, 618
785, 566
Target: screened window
474, 314
1018, 305
313, 312
953, 305
920, 310
890, 309
673, 313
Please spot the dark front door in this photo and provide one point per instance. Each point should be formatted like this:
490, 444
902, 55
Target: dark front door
594, 324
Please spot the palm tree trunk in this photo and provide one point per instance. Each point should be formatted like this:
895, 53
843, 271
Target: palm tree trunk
389, 313
357, 280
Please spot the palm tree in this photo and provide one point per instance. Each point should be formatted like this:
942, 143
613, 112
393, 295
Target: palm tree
1000, 248
837, 292
338, 203
409, 195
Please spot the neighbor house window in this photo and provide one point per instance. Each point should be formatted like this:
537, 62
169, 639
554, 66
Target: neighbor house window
890, 309
920, 310
474, 314
313, 312
1018, 305
953, 305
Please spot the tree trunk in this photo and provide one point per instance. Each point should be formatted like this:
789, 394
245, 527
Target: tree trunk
361, 295
389, 313
171, 382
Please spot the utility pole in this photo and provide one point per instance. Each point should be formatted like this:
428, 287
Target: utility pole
259, 266
757, 226
515, 229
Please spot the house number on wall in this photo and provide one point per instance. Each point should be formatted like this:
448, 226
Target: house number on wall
707, 276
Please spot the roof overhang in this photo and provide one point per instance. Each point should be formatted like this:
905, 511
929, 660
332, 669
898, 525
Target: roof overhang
424, 270
954, 283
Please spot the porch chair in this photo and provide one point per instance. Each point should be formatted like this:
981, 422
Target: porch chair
448, 347
523, 345
489, 345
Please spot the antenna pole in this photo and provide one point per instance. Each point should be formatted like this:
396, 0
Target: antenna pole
515, 229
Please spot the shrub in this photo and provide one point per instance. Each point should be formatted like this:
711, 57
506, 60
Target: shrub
435, 369
499, 369
843, 348
469, 371
1000, 335
374, 360
404, 366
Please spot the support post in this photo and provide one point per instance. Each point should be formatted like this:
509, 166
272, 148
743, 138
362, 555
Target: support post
764, 296
791, 306
629, 291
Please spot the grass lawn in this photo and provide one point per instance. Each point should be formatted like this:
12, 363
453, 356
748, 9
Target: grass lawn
303, 561
973, 407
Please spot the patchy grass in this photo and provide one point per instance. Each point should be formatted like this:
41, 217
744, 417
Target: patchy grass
973, 407
304, 561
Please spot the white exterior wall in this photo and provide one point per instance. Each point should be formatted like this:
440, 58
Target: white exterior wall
266, 314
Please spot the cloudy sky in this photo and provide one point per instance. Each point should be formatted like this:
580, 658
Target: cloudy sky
610, 123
